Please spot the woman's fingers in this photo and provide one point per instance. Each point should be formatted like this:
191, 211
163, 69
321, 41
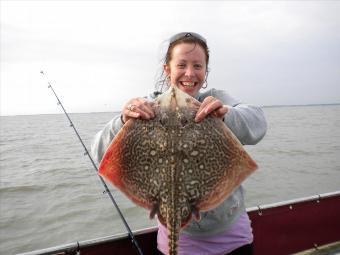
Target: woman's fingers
213, 106
220, 112
138, 108
145, 109
205, 102
128, 112
141, 108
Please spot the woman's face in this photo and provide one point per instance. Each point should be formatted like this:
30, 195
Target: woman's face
187, 67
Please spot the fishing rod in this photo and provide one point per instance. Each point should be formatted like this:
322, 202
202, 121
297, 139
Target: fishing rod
107, 191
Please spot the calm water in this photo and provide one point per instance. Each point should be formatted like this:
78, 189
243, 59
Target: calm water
50, 195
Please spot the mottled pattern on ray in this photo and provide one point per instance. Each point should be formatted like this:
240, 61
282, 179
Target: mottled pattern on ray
174, 166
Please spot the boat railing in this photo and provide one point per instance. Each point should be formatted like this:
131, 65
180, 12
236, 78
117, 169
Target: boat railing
286, 227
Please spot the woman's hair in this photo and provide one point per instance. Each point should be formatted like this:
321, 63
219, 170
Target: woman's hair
184, 37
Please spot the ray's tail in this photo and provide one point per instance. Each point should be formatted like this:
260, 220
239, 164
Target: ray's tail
173, 235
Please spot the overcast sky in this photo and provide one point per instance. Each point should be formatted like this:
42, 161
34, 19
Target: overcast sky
99, 54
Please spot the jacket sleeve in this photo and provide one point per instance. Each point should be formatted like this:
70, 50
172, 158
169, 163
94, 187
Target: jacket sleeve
247, 122
104, 137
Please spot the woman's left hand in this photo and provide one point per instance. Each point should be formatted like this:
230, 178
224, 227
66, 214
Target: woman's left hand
213, 106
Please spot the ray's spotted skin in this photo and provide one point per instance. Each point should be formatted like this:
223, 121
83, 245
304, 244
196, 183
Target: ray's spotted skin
173, 165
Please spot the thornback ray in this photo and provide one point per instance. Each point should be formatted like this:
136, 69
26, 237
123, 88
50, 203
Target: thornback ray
174, 166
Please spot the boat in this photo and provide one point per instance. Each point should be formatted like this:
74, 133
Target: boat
281, 228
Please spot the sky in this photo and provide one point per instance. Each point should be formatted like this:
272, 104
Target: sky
99, 54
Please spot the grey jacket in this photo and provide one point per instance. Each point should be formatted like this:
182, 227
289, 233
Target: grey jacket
245, 121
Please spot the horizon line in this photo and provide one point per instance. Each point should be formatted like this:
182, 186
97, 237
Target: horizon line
263, 106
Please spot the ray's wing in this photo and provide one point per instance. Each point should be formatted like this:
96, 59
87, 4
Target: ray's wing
134, 159
216, 163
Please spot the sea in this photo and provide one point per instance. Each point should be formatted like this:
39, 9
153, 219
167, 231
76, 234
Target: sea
50, 193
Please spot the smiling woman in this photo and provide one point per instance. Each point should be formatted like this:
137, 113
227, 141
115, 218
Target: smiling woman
226, 228
186, 63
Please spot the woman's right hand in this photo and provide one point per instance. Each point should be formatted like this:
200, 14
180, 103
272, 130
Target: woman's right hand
138, 108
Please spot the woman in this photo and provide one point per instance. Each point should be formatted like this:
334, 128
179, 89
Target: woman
225, 229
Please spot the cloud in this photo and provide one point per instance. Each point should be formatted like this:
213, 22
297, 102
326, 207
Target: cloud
262, 52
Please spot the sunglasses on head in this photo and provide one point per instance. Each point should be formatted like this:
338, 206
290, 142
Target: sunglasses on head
182, 35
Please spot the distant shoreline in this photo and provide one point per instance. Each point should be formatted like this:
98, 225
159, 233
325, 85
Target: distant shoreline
116, 112
298, 105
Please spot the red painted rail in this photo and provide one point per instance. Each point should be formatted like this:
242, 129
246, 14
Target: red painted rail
296, 225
